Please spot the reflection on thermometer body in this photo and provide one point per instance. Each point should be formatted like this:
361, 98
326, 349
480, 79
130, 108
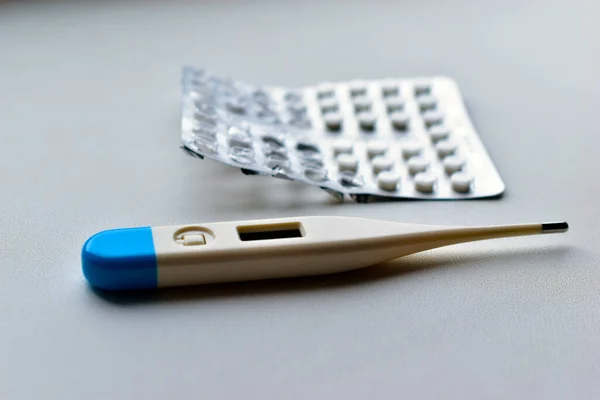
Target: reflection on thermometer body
140, 258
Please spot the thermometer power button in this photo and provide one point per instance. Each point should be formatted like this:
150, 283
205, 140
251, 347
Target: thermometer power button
193, 236
193, 239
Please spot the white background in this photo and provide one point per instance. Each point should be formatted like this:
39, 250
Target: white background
89, 137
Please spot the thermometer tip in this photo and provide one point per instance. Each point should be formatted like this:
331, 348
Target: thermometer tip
555, 227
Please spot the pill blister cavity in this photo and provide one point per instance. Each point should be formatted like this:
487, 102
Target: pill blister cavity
376, 148
237, 132
315, 162
425, 182
309, 154
453, 164
325, 90
236, 105
293, 96
342, 146
388, 181
357, 89
329, 104
422, 89
411, 148
206, 134
305, 147
400, 121
362, 103
279, 166
268, 116
427, 104
297, 108
417, 164
239, 137
347, 162
316, 174
440, 132
204, 146
333, 121
394, 104
310, 157
445, 148
433, 118
390, 89
277, 155
366, 121
461, 182
300, 121
200, 115
201, 129
241, 155
261, 96
205, 108
382, 163
273, 143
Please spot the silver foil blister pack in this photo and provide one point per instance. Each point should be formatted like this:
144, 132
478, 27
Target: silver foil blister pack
394, 138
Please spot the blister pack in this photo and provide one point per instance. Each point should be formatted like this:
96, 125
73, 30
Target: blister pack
394, 138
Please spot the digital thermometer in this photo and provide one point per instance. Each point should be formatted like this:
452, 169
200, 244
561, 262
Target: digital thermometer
166, 256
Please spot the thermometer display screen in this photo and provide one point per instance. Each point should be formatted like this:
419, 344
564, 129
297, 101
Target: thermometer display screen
270, 232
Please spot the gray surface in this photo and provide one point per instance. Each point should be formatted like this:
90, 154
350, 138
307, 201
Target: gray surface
89, 141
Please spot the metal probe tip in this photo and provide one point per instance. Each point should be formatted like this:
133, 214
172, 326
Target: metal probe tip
555, 227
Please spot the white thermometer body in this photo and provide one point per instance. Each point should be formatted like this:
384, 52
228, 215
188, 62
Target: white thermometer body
136, 258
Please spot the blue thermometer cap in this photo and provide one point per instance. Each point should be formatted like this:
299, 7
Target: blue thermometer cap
120, 259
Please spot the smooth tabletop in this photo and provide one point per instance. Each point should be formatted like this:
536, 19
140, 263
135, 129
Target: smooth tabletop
89, 140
